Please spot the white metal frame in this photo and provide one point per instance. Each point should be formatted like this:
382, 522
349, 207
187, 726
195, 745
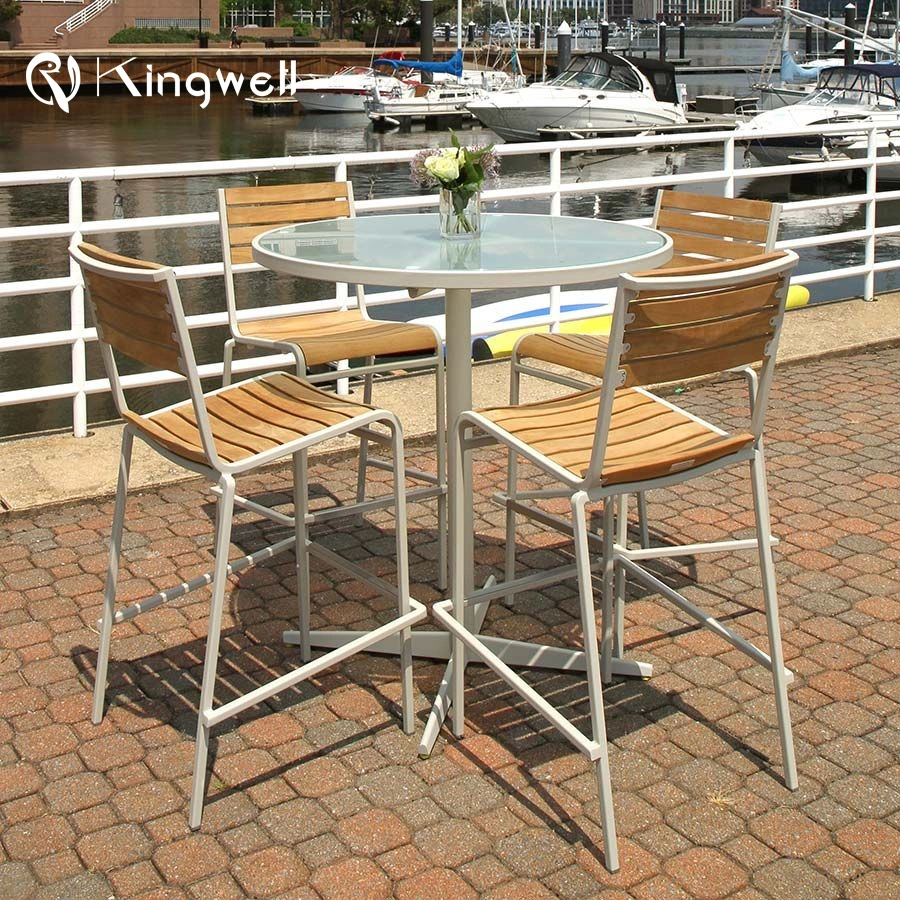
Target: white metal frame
222, 475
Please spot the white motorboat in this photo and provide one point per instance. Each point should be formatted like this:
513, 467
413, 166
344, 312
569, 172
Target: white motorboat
864, 94
444, 99
599, 93
794, 80
347, 90
447, 96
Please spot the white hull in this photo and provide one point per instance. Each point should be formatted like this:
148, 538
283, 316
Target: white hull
346, 93
525, 114
598, 94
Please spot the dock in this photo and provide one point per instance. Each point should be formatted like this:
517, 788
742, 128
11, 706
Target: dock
273, 106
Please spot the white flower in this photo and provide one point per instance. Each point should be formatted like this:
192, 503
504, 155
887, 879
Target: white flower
444, 168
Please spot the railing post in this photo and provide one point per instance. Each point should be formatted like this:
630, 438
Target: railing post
871, 193
728, 166
79, 363
342, 295
553, 308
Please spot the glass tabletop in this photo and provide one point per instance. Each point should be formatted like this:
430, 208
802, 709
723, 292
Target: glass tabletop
513, 249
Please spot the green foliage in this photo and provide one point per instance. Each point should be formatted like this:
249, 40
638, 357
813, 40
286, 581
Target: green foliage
9, 10
301, 29
153, 36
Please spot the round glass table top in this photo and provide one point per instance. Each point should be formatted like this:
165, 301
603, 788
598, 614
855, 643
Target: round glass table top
513, 250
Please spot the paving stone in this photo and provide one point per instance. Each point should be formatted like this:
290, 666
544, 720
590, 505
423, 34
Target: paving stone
434, 884
706, 873
875, 843
351, 879
270, 872
794, 878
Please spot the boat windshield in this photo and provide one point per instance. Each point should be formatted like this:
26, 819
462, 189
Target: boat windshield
875, 89
599, 73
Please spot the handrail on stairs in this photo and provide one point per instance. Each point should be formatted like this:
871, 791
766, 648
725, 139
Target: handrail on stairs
83, 16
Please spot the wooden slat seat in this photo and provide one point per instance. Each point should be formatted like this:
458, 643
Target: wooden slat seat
585, 353
647, 438
249, 418
344, 334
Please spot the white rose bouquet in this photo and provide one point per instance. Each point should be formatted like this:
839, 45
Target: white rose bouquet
459, 170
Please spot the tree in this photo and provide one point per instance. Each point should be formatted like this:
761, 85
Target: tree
9, 10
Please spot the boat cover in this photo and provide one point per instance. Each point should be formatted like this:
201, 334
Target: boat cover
661, 76
453, 66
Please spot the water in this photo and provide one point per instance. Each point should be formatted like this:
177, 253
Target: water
121, 130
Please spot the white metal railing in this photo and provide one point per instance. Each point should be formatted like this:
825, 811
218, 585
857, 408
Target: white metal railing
83, 16
728, 178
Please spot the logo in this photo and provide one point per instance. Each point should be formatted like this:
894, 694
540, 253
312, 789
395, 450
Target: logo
50, 65
150, 83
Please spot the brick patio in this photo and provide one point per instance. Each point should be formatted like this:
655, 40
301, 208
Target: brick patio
321, 795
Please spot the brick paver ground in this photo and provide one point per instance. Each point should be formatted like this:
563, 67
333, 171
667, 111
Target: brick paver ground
321, 795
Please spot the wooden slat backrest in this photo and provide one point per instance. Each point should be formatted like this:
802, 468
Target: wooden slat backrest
713, 227
134, 318
251, 211
670, 335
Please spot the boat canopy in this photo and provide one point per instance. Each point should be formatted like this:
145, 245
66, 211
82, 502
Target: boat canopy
453, 66
870, 84
606, 71
661, 76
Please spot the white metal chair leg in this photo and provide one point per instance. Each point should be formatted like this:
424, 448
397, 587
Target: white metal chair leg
402, 552
224, 516
440, 430
592, 661
227, 357
620, 581
607, 589
368, 381
112, 576
643, 519
767, 566
458, 579
301, 554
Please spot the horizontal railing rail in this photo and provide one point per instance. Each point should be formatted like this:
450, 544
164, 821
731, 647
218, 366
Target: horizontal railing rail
561, 179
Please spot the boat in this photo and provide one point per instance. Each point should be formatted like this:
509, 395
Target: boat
347, 89
444, 99
598, 94
864, 94
798, 80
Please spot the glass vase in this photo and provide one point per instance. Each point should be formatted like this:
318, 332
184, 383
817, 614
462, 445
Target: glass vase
459, 214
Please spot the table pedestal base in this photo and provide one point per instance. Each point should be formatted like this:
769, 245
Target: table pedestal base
436, 645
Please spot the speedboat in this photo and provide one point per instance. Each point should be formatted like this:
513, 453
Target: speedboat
347, 90
599, 93
452, 89
795, 80
864, 94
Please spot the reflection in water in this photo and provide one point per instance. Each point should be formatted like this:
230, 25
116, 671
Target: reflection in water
121, 130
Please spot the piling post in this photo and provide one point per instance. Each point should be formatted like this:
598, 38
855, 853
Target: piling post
563, 46
850, 22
